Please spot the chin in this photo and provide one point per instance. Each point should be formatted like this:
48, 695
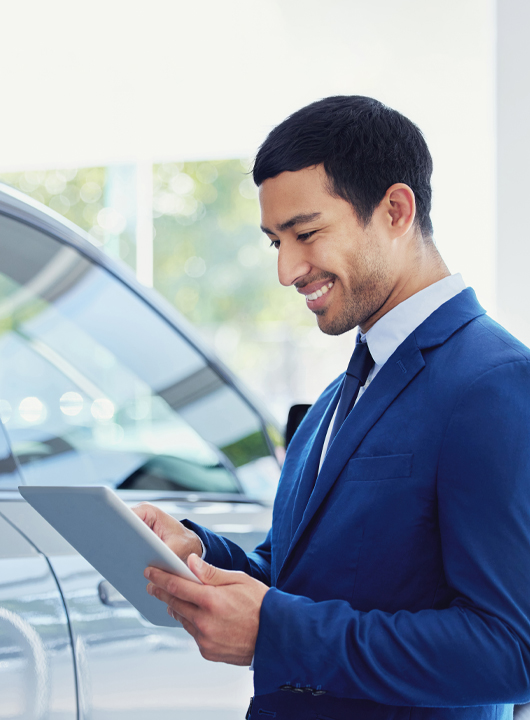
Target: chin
330, 326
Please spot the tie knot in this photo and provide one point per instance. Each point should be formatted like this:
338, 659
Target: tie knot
361, 362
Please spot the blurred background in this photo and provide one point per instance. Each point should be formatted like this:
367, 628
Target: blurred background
139, 122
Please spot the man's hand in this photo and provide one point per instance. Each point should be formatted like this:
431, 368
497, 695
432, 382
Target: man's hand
178, 538
222, 615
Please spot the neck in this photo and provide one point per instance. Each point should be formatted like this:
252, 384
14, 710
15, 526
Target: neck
426, 269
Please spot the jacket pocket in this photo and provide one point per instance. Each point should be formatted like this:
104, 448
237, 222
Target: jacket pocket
384, 467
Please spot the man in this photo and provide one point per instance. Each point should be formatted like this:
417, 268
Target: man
395, 580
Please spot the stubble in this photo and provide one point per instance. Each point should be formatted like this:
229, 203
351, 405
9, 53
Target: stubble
369, 286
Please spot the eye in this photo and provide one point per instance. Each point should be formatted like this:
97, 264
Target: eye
275, 244
305, 236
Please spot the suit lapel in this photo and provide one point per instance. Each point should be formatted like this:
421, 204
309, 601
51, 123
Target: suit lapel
395, 375
309, 472
401, 368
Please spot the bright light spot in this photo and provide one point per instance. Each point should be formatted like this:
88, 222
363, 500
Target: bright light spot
168, 203
195, 267
5, 411
189, 206
32, 410
35, 178
182, 184
71, 403
140, 408
71, 194
248, 189
27, 183
90, 213
248, 256
55, 183
102, 409
60, 204
167, 170
69, 174
108, 434
112, 221
90, 192
207, 173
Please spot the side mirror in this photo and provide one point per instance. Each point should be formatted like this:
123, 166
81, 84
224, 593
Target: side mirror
296, 414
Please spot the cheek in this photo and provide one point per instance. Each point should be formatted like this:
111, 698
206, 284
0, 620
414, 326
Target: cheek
333, 253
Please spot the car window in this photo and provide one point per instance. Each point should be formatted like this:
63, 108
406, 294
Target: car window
9, 476
96, 387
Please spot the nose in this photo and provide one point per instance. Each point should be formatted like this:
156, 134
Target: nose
292, 265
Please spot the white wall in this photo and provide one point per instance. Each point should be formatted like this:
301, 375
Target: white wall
121, 80
513, 163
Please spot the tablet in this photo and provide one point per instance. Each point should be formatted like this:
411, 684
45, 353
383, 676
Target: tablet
100, 526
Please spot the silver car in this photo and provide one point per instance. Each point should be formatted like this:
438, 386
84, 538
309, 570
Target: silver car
102, 382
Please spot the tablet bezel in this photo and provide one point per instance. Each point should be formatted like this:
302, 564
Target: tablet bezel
112, 538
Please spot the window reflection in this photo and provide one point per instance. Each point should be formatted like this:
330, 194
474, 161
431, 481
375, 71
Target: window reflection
95, 387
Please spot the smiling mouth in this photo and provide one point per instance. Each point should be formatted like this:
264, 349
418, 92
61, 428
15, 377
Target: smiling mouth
321, 291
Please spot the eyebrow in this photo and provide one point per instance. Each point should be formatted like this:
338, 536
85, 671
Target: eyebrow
296, 220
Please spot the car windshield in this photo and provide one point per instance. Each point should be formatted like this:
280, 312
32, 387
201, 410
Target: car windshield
96, 387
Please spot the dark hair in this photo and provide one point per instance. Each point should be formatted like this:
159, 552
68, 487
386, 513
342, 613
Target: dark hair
365, 148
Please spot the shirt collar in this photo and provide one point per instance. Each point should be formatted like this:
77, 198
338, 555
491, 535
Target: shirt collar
390, 331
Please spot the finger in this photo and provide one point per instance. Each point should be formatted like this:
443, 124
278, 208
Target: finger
211, 575
186, 609
160, 522
176, 586
145, 512
188, 626
174, 614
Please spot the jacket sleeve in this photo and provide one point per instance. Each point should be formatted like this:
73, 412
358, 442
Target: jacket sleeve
477, 650
225, 554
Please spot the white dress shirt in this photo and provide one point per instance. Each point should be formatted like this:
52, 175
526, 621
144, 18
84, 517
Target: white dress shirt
390, 331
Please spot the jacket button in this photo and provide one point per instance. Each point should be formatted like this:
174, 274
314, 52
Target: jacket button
319, 692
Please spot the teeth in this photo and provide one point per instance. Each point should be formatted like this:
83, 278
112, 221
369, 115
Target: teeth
321, 291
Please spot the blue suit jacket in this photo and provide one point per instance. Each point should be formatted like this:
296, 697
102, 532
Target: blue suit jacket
400, 579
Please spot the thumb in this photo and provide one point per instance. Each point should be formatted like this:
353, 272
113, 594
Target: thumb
209, 574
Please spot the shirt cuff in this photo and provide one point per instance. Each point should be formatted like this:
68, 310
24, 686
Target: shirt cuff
203, 548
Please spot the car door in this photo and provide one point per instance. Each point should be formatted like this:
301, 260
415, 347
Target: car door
96, 387
37, 677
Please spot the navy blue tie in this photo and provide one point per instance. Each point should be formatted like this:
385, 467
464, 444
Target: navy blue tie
360, 365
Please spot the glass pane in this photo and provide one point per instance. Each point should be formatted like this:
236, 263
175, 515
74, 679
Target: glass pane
95, 387
9, 477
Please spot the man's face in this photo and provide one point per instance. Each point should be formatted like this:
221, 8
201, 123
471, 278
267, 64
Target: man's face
342, 268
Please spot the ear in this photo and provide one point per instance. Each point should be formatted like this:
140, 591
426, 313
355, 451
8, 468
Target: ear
399, 208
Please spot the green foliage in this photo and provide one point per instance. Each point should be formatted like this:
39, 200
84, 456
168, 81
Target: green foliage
211, 259
275, 436
80, 195
247, 449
